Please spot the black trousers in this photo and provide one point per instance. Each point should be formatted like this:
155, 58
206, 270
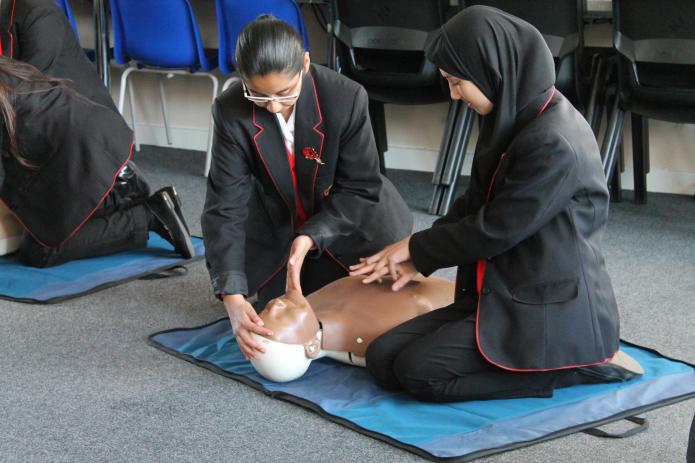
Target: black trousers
435, 358
117, 225
316, 273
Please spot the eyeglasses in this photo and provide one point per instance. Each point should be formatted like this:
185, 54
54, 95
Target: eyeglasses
285, 100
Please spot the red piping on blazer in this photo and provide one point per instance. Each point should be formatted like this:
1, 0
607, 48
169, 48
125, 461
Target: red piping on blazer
315, 129
261, 129
89, 216
9, 31
480, 275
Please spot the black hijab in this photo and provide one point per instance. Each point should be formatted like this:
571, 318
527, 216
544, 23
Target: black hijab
508, 60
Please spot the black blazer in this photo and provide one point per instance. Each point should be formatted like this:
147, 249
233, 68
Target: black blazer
546, 300
37, 32
250, 213
77, 148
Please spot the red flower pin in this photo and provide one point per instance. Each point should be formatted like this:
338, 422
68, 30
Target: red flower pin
310, 153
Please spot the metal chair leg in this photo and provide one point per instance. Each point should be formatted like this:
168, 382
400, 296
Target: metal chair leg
593, 108
443, 158
165, 112
211, 129
611, 141
133, 114
638, 162
460, 146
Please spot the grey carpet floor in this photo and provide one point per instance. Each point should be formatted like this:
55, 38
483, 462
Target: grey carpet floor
78, 383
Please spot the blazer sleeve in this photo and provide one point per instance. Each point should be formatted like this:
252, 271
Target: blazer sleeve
538, 185
32, 43
225, 212
357, 181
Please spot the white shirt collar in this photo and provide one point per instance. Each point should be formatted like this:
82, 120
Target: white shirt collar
287, 129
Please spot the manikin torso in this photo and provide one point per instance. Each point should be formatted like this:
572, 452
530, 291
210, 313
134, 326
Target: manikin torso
340, 321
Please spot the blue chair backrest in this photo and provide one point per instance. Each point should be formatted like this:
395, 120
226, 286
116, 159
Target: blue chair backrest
233, 15
160, 33
64, 5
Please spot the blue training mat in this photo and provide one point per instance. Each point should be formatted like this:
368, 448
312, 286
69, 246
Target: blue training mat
22, 283
441, 432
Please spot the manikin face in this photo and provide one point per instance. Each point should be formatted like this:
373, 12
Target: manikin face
295, 341
282, 88
291, 319
468, 92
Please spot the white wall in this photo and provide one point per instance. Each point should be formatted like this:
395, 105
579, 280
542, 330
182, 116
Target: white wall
413, 131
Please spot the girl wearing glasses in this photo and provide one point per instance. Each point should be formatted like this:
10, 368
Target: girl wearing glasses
294, 174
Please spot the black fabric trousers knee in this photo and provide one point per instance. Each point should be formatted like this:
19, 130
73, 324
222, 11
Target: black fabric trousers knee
116, 226
435, 358
316, 273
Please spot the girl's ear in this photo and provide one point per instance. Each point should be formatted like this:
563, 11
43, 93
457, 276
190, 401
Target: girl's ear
307, 61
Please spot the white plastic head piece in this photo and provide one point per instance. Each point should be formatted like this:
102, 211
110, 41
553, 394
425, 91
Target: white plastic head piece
281, 362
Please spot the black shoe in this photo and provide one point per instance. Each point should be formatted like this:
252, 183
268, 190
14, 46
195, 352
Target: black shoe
171, 191
168, 225
619, 369
130, 184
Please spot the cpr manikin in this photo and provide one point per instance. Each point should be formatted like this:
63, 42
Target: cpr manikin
10, 231
339, 321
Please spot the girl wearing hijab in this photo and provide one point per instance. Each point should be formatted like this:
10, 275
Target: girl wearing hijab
534, 306
295, 174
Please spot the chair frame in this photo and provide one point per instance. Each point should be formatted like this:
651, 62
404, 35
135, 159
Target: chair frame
168, 73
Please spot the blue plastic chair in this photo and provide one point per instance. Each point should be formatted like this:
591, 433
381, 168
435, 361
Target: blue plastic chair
233, 15
161, 37
64, 5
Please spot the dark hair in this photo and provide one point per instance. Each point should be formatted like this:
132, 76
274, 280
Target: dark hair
10, 69
267, 45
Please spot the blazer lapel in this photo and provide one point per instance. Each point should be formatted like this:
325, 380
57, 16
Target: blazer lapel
308, 142
273, 154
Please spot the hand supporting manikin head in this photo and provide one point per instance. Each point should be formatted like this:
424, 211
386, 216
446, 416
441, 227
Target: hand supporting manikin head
339, 321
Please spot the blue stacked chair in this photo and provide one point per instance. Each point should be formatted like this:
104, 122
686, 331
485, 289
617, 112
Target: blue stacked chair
233, 15
161, 37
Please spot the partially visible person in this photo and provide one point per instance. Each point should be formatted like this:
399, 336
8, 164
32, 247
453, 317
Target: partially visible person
37, 32
61, 154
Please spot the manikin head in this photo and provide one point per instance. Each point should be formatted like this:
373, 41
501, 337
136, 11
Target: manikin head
296, 339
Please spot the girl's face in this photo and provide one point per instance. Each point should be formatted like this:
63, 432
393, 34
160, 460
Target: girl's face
278, 91
467, 91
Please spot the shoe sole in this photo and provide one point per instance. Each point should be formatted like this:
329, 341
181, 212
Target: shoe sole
171, 191
623, 360
183, 245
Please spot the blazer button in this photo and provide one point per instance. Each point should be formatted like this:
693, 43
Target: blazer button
485, 291
463, 290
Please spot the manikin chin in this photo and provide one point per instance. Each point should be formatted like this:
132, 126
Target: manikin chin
339, 321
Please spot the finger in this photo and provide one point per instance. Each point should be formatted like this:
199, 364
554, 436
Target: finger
254, 317
377, 274
255, 328
393, 270
251, 343
401, 282
363, 270
293, 279
375, 258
